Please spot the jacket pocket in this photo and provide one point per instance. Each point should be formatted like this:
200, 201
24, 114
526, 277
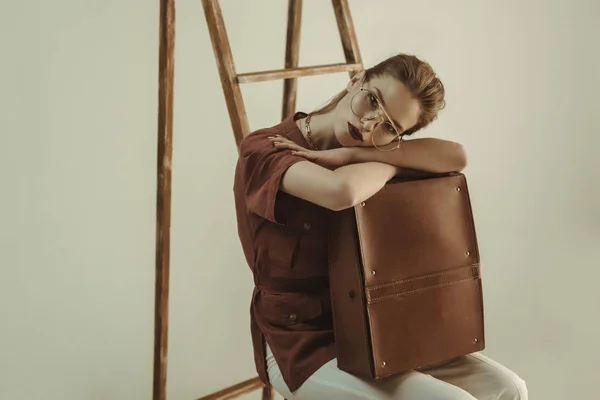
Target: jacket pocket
288, 309
274, 249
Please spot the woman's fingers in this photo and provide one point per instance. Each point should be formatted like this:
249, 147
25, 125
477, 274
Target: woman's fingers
279, 139
282, 143
300, 153
285, 145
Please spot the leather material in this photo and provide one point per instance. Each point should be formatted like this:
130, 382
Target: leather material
405, 277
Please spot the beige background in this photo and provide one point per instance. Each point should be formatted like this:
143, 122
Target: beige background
78, 152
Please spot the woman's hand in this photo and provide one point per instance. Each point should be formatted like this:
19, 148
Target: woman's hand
329, 159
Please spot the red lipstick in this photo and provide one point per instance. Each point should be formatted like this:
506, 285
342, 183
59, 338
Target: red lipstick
355, 133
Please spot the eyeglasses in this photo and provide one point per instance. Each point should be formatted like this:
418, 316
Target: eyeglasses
367, 106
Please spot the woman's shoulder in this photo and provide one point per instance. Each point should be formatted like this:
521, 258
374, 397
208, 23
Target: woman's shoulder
258, 138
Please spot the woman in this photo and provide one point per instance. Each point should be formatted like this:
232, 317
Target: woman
288, 178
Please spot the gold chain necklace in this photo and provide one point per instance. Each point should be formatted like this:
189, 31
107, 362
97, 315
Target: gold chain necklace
308, 133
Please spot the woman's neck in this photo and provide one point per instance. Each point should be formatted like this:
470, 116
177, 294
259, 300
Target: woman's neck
322, 131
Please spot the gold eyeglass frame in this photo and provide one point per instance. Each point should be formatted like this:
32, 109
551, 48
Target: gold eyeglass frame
381, 110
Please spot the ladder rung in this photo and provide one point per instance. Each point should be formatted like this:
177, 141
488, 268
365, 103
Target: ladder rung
295, 72
236, 390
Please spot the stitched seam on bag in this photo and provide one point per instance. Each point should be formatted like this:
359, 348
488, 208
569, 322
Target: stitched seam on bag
360, 251
367, 317
471, 222
474, 233
431, 275
392, 296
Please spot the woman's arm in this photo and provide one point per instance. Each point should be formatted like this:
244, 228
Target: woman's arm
339, 189
365, 179
428, 154
363, 171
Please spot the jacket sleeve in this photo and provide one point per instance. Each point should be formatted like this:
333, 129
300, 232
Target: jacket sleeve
262, 167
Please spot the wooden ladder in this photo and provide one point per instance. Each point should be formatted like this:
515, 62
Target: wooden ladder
231, 81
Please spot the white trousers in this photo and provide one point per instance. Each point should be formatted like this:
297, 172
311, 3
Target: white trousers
471, 377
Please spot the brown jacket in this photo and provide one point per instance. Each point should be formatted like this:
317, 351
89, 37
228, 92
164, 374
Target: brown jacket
284, 240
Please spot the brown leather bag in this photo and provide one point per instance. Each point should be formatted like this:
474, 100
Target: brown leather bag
405, 278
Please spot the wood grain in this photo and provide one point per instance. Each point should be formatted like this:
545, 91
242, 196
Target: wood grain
292, 53
347, 34
295, 72
230, 81
226, 66
163, 194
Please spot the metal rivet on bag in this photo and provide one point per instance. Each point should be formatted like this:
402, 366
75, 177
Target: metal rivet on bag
293, 317
383, 364
475, 340
363, 204
372, 272
468, 253
458, 189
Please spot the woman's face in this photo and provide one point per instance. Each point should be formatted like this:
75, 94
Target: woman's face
375, 114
